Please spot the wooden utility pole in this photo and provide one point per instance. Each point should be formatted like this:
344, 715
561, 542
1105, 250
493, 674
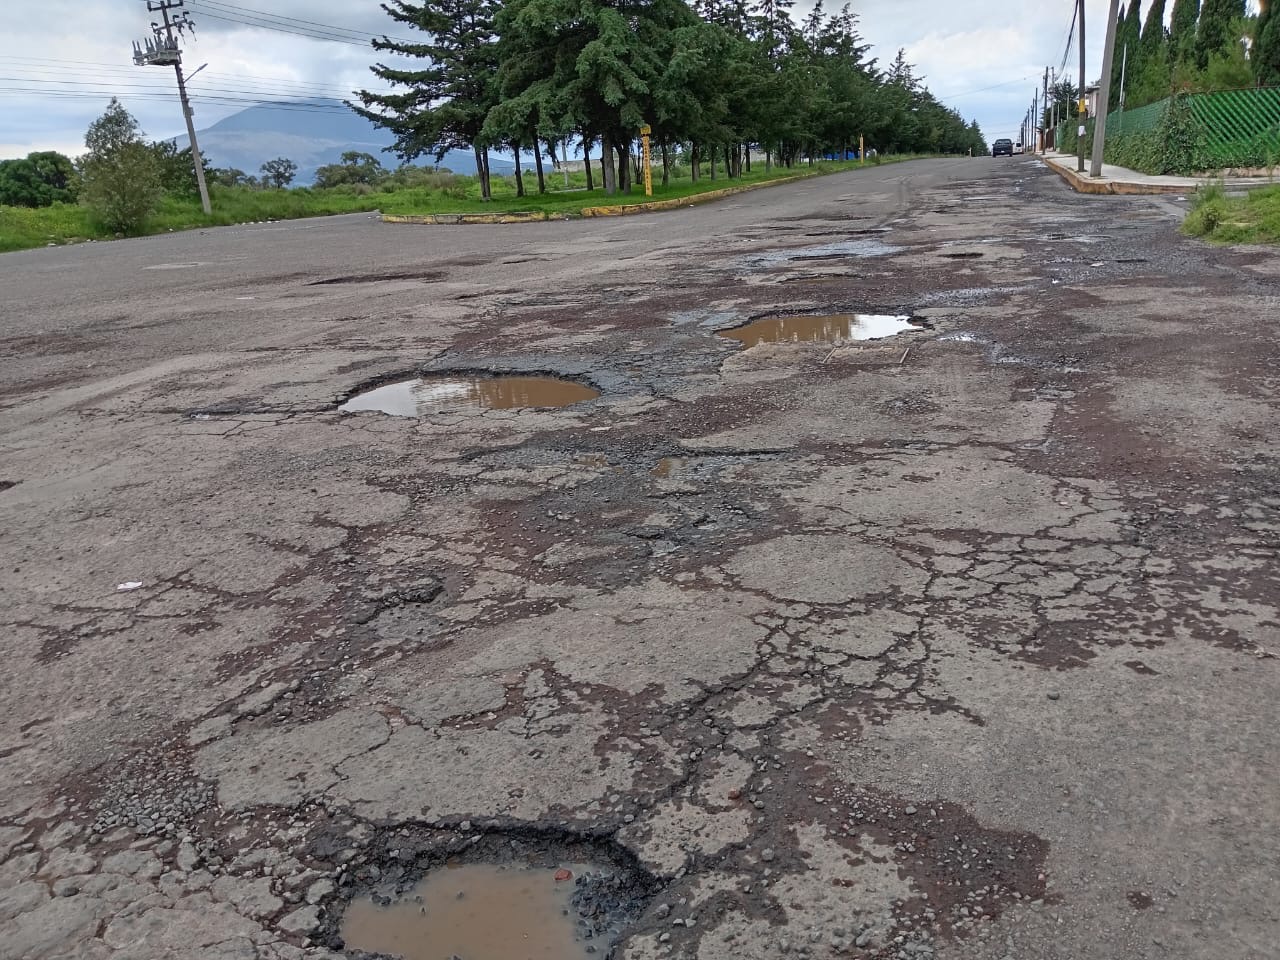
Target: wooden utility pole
1104, 93
163, 51
1084, 103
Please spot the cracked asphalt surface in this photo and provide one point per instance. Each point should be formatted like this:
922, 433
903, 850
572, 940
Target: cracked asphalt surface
959, 644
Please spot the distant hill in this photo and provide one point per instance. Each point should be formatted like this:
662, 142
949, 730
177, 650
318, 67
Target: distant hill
311, 133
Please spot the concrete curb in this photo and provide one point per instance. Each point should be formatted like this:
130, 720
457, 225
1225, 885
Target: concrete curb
608, 210
1082, 184
455, 219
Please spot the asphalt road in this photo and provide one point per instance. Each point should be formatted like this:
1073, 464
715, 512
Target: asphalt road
960, 643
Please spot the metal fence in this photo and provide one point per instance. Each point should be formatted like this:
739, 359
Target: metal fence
1239, 121
1239, 127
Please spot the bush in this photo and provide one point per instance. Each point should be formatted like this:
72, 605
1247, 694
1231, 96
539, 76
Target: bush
39, 180
120, 173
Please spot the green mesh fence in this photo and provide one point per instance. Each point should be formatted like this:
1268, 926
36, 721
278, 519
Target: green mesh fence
1240, 126
1142, 120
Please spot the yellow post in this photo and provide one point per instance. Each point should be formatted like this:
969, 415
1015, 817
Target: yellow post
862, 150
645, 131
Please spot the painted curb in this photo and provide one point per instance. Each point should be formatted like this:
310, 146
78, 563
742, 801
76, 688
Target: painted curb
455, 219
607, 210
1115, 187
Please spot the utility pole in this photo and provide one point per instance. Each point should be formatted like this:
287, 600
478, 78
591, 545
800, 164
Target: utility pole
1104, 92
1044, 143
1035, 121
163, 51
1084, 103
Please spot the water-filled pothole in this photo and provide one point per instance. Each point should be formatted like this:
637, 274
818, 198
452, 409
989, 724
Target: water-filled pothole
497, 912
830, 328
412, 398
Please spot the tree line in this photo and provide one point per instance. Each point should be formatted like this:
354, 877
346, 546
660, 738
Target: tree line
712, 80
1206, 46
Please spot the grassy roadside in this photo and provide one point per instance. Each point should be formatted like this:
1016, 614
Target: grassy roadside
22, 228
1218, 218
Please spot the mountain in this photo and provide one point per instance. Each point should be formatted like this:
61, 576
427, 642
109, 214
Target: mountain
311, 133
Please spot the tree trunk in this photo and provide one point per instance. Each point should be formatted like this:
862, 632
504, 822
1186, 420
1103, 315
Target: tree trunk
609, 170
666, 166
482, 174
768, 161
713, 163
746, 150
695, 163
624, 168
586, 163
519, 174
537, 159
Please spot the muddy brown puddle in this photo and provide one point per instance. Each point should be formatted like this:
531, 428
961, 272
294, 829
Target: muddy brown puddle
832, 328
412, 398
474, 912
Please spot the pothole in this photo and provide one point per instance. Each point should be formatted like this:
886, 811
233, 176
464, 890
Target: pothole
482, 911
829, 328
424, 395
667, 466
430, 276
431, 894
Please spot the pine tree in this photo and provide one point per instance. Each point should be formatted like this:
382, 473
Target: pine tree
441, 106
1182, 30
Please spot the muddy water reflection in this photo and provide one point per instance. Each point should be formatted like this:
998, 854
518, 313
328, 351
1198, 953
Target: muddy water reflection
833, 328
412, 398
476, 912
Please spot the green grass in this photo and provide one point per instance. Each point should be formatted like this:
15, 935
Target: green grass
1253, 218
22, 228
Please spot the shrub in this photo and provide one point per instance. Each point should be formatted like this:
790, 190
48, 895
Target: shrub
120, 174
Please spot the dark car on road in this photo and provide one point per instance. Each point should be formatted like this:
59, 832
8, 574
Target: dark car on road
1004, 147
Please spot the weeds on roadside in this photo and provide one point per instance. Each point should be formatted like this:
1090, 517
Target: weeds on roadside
1253, 218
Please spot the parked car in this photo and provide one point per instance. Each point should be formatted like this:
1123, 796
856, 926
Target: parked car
1002, 148
1017, 148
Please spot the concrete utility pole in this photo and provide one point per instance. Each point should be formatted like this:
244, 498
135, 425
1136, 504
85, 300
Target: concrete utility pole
1084, 105
1044, 141
1104, 92
163, 51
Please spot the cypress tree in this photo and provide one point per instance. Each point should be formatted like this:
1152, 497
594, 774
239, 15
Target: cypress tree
1182, 30
1133, 37
1118, 63
1217, 23
1266, 50
1153, 34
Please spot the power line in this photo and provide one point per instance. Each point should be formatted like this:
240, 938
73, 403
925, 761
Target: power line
310, 29
996, 86
1071, 33
218, 82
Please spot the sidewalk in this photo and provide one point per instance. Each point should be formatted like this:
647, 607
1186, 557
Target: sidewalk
1119, 180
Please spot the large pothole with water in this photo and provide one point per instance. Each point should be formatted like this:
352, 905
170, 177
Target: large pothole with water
823, 328
442, 392
526, 895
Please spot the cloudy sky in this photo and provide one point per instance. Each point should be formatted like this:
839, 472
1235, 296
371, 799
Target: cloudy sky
62, 60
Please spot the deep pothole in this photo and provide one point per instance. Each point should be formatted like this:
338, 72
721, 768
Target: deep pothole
541, 895
432, 394
821, 328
